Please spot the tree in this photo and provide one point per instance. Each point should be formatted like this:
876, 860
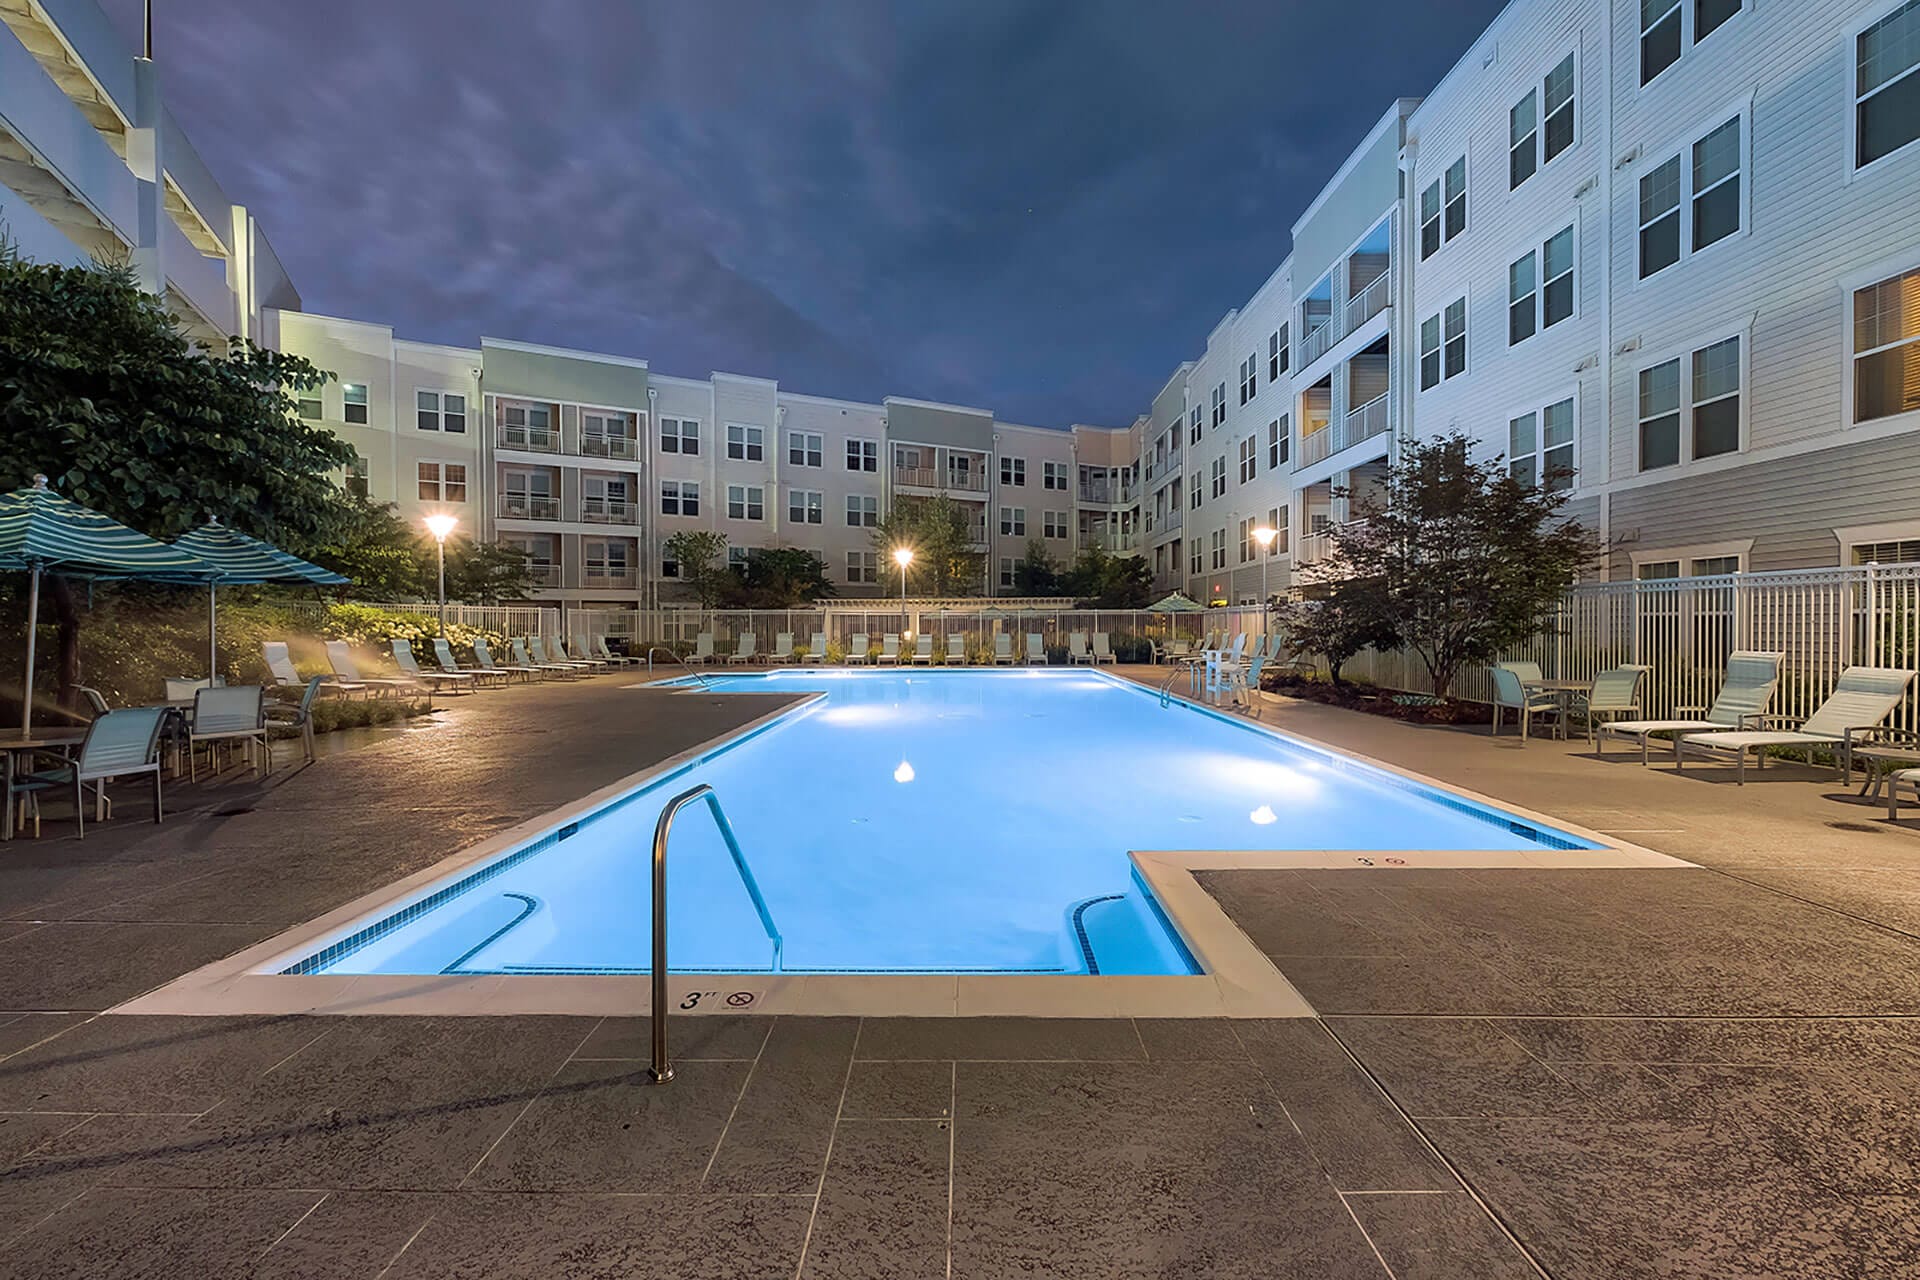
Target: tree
1460, 560
1340, 619
698, 552
1102, 580
1036, 573
940, 533
390, 559
485, 572
780, 578
102, 391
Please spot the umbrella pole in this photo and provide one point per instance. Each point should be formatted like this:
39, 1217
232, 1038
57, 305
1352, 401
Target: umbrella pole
33, 625
213, 660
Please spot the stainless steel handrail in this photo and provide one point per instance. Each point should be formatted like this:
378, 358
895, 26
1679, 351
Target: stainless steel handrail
662, 1071
692, 670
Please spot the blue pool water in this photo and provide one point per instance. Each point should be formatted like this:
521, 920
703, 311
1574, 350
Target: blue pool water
917, 821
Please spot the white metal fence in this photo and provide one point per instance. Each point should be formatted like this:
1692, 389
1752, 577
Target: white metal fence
513, 620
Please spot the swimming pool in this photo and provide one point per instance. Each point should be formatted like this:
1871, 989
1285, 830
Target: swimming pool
916, 821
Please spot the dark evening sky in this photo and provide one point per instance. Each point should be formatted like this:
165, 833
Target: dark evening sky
1038, 208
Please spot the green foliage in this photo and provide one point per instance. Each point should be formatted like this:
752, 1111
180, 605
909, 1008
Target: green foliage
389, 559
778, 578
330, 714
937, 530
1337, 621
1101, 580
699, 554
1036, 573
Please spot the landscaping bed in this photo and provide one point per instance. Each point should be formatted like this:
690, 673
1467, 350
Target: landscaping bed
1417, 708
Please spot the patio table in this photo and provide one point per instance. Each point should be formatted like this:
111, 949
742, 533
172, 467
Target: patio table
14, 742
1562, 691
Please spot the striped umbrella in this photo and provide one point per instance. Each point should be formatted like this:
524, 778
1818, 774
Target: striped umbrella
241, 559
41, 531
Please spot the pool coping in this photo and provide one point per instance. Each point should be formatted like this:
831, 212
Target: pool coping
1240, 981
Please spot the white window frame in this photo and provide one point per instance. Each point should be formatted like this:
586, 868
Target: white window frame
1196, 423
1279, 442
1537, 86
1054, 524
1217, 399
1249, 378
1013, 522
1249, 459
1689, 17
1683, 150
1013, 472
441, 481
809, 504
810, 445
1741, 548
1684, 352
1538, 249
1852, 60
1851, 536
364, 404
1217, 477
863, 567
1053, 475
316, 398
1538, 407
1849, 398
752, 439
1279, 353
750, 496
440, 411
681, 436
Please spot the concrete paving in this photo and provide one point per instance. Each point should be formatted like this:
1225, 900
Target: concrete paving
1581, 1073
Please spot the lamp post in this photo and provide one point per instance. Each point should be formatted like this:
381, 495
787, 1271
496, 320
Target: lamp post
1264, 535
440, 526
903, 556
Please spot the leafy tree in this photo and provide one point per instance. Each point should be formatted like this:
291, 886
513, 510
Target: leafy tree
1339, 619
699, 554
1460, 560
1036, 573
780, 578
101, 390
1102, 580
391, 559
484, 572
939, 531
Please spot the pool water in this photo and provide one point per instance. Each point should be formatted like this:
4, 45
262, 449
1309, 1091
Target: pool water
917, 821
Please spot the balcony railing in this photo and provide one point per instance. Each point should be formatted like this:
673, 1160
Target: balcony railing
1314, 446
599, 575
544, 575
977, 533
1315, 344
969, 481
1318, 545
1368, 303
526, 506
609, 511
620, 448
1365, 422
917, 477
531, 439
1369, 420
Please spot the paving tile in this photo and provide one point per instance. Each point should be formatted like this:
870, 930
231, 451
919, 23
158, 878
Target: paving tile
1443, 1236
1395, 985
129, 1233
884, 1203
352, 1233
1113, 1170
777, 1140
603, 1125
1190, 1039
28, 1194
1002, 1039
1363, 1143
94, 966
1283, 916
689, 1039
1455, 1067
1708, 1040
912, 1090
151, 1064
19, 1031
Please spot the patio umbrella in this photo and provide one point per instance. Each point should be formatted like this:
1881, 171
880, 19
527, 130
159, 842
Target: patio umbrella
40, 531
1175, 603
240, 559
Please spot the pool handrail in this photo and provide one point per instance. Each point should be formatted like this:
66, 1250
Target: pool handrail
662, 1070
693, 671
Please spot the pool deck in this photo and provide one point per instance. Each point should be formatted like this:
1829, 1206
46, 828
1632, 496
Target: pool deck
1704, 1072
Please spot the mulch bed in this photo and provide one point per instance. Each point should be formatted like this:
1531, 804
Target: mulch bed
1414, 707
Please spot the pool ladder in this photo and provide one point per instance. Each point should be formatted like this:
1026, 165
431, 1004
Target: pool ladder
662, 1070
693, 671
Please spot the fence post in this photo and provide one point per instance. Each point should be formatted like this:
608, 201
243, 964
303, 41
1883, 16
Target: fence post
1873, 614
1739, 610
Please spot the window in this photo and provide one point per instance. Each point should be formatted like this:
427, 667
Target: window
747, 444
805, 506
1522, 300
1193, 433
1897, 551
357, 478
1534, 303
1690, 407
1886, 85
1886, 348
1013, 521
1456, 214
1196, 561
1249, 378
803, 448
1278, 521
1557, 129
1053, 475
440, 411
1704, 179
1657, 570
1219, 548
1667, 27
442, 481
1013, 471
1279, 354
1430, 220
307, 405
1279, 442
1006, 571
1535, 136
1430, 352
1715, 566
862, 512
1198, 496
1454, 331
606, 435
1556, 285
1540, 447
355, 396
669, 568
679, 498
1218, 480
1246, 541
863, 455
863, 566
1443, 209
746, 502
1249, 459
737, 558
680, 435
1054, 524
1219, 404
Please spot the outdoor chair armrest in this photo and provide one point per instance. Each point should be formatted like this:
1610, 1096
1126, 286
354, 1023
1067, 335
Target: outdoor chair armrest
1753, 720
1768, 721
1885, 733
1691, 707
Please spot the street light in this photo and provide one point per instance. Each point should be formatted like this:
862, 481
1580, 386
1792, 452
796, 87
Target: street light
903, 556
440, 526
1264, 535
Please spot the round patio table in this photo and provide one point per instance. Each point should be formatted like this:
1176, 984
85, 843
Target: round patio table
13, 742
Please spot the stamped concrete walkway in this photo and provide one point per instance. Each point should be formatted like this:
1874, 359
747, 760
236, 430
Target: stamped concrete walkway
1520, 1073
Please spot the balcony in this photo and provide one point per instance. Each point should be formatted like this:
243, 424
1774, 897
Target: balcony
529, 438
614, 576
977, 533
529, 506
916, 477
972, 480
1318, 545
1368, 303
1315, 344
618, 448
1369, 420
543, 575
595, 510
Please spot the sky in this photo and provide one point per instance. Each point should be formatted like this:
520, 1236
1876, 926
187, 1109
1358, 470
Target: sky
1036, 208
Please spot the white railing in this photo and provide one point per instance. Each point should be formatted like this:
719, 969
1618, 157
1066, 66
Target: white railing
620, 448
544, 575
525, 506
608, 510
1314, 446
1316, 342
917, 477
531, 439
1369, 420
1368, 303
602, 576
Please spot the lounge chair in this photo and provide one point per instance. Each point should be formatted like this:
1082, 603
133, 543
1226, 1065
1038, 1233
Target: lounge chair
1003, 650
1174, 650
483, 658
782, 648
287, 677
816, 649
297, 715
1036, 649
1907, 778
923, 650
702, 650
1103, 649
597, 647
575, 650
1243, 683
119, 744
1748, 690
1613, 692
235, 713
1510, 693
524, 647
1077, 649
459, 681
443, 654
859, 649
743, 652
340, 658
890, 649
956, 650
1860, 701
556, 656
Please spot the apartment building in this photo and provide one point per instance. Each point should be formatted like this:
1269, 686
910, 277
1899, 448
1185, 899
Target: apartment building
93, 165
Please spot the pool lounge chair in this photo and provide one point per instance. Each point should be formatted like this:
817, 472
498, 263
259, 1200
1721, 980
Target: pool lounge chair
859, 649
119, 744
443, 654
1077, 649
555, 656
702, 650
1908, 779
597, 647
743, 651
458, 681
1172, 651
816, 649
523, 647
1036, 649
1613, 692
1103, 649
340, 658
890, 649
1510, 694
483, 658
575, 651
1860, 701
923, 650
287, 678
956, 650
782, 648
1748, 690
1003, 650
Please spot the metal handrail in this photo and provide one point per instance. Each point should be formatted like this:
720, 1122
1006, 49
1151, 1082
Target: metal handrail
692, 670
662, 1070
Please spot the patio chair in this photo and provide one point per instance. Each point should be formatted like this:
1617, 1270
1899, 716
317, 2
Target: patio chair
483, 659
1103, 649
1172, 651
183, 688
859, 649
443, 654
340, 658
1003, 650
1077, 649
575, 650
923, 650
702, 650
1243, 683
459, 681
597, 647
1863, 698
297, 716
1745, 695
743, 652
556, 656
816, 649
1907, 778
1510, 693
782, 648
236, 713
522, 657
890, 649
956, 650
120, 744
1036, 649
1614, 692
1529, 672
95, 700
